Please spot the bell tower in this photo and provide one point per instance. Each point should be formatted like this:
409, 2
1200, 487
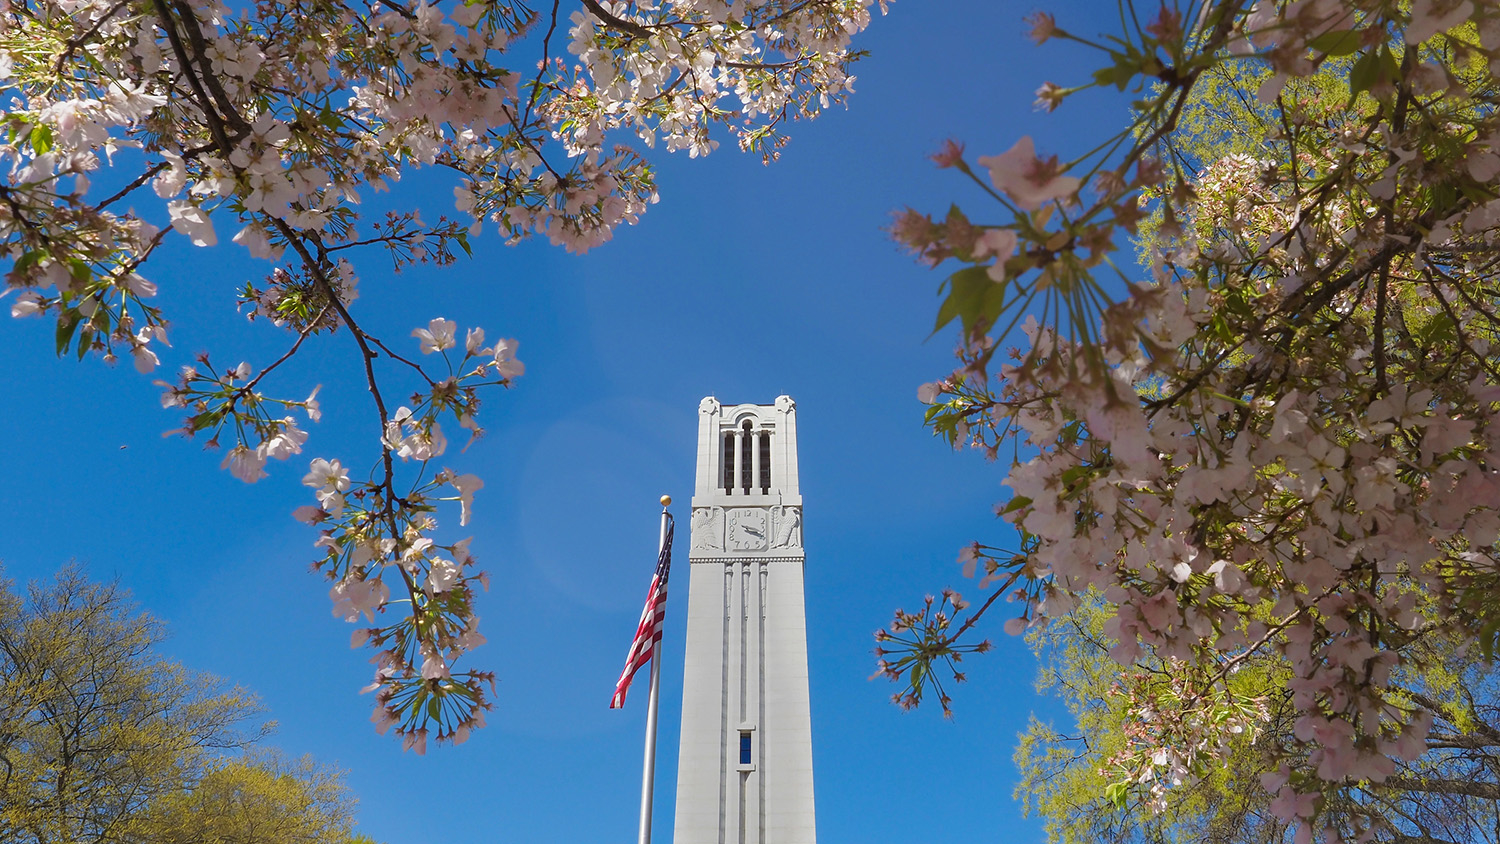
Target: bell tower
744, 766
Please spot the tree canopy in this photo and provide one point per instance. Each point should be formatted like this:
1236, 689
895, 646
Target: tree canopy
103, 740
1281, 441
267, 123
1073, 778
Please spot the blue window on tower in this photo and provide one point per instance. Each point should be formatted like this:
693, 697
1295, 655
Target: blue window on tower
744, 748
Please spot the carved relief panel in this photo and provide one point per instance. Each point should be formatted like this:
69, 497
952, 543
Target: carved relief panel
788, 527
746, 529
708, 528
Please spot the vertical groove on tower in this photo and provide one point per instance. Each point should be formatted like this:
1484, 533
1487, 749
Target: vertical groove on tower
724, 701
760, 715
744, 580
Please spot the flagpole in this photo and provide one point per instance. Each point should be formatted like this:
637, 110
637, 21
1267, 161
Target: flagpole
648, 774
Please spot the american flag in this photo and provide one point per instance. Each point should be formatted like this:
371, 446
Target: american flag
648, 632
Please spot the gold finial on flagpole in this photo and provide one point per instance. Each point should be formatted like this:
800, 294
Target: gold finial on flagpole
666, 501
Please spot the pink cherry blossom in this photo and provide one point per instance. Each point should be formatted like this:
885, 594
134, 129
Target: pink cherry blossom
416, 740
474, 341
352, 596
466, 485
383, 719
441, 576
310, 404
326, 475
433, 665
505, 359
287, 440
27, 304
309, 514
145, 359
423, 445
1027, 180
437, 336
1429, 17
247, 464
192, 221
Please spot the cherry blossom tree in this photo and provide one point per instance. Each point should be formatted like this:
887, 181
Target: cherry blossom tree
265, 123
1276, 434
1070, 780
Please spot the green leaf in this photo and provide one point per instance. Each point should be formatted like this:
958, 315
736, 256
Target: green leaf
85, 342
67, 323
1239, 304
1487, 640
41, 138
1073, 475
1116, 793
1219, 327
1015, 504
81, 271
1388, 61
972, 295
1118, 75
1071, 433
1126, 65
1343, 42
1364, 74
24, 262
1438, 330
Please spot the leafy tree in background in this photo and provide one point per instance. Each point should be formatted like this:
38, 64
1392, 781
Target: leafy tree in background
267, 122
102, 740
1074, 780
261, 799
1280, 447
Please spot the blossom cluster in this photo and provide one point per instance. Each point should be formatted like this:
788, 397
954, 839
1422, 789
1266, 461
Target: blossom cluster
266, 124
924, 633
1284, 440
374, 535
778, 58
217, 403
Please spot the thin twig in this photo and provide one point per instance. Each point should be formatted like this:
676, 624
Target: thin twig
302, 335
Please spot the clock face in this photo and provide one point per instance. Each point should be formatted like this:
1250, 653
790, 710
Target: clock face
747, 530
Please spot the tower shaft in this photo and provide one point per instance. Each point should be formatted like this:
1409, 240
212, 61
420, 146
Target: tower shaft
745, 760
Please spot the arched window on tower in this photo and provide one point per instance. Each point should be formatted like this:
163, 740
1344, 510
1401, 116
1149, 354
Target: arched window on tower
765, 462
748, 440
729, 462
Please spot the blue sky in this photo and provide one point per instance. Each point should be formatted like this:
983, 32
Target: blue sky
745, 282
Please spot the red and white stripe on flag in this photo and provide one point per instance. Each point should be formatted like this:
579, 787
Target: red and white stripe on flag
648, 632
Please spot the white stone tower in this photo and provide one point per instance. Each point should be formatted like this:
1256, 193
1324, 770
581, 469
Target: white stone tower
744, 768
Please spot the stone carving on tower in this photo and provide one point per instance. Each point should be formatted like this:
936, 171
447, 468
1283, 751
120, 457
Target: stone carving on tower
788, 527
708, 529
744, 768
